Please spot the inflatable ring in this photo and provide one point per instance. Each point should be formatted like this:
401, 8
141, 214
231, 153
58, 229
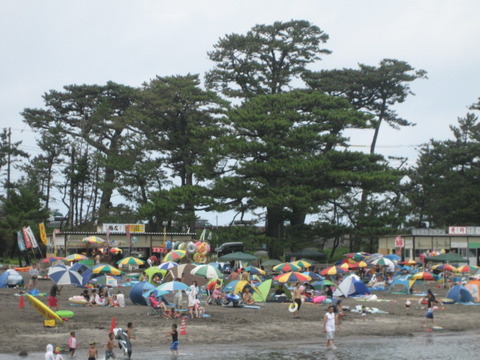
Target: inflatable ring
191, 248
293, 307
182, 246
201, 248
77, 300
176, 245
199, 258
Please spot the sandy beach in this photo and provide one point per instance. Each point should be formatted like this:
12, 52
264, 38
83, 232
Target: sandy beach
22, 328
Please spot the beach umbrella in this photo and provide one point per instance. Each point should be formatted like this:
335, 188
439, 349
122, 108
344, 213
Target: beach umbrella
444, 267
64, 276
292, 276
271, 262
79, 267
167, 265
175, 255
93, 240
373, 257
51, 259
333, 270
409, 262
345, 266
238, 256
237, 286
319, 285
313, 275
207, 271
423, 275
466, 268
115, 250
304, 264
172, 286
255, 270
383, 262
106, 269
75, 257
393, 257
130, 261
286, 267
156, 292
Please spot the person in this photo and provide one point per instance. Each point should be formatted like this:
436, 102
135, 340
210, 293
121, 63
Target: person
97, 259
56, 351
247, 297
330, 321
109, 347
192, 296
72, 344
429, 314
157, 304
49, 353
33, 274
178, 297
131, 336
218, 295
198, 309
364, 312
144, 277
52, 298
174, 335
408, 303
328, 291
92, 351
297, 299
338, 310
157, 279
93, 298
115, 302
233, 276
86, 295
209, 288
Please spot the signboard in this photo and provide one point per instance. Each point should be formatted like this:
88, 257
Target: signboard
160, 250
122, 228
399, 243
43, 233
464, 230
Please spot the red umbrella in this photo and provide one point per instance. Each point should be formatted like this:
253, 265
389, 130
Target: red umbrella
292, 276
422, 276
334, 270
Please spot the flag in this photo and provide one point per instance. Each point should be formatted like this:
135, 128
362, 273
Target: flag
26, 239
21, 243
43, 233
31, 235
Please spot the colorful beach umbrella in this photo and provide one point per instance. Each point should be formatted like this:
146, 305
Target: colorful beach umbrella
409, 262
51, 259
423, 275
345, 266
130, 261
64, 276
292, 276
383, 262
333, 270
175, 255
167, 265
172, 286
207, 271
466, 268
313, 275
255, 270
93, 240
115, 250
75, 257
106, 269
237, 286
444, 267
286, 267
304, 264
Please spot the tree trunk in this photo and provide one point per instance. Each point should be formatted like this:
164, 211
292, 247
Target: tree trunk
274, 231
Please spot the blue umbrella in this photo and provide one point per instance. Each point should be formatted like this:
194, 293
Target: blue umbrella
173, 285
157, 292
167, 265
79, 267
393, 257
313, 275
64, 276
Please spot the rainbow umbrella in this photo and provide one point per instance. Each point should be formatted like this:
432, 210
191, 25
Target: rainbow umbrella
130, 261
51, 259
304, 264
466, 268
93, 240
333, 270
409, 262
444, 267
175, 255
422, 276
345, 266
360, 264
255, 270
286, 267
115, 250
106, 269
292, 276
75, 257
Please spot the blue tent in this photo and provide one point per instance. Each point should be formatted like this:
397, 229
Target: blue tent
136, 293
4, 280
460, 293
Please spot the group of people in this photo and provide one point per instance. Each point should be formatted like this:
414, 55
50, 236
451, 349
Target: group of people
102, 297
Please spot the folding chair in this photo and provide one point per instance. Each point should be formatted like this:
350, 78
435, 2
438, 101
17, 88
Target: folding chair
153, 310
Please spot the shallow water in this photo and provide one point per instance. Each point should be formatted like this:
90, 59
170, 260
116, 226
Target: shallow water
438, 345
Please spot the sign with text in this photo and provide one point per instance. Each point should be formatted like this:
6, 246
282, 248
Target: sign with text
123, 228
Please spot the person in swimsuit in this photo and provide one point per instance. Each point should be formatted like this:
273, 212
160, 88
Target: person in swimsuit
92, 351
297, 299
109, 347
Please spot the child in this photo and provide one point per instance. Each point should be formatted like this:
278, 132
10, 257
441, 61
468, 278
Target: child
72, 344
174, 335
115, 302
198, 309
92, 351
58, 356
109, 347
131, 336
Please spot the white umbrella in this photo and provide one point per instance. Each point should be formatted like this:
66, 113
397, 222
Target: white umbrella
207, 271
167, 265
172, 286
64, 276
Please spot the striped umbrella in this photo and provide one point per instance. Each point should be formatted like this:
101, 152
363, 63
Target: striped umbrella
64, 276
167, 265
255, 270
292, 276
286, 267
466, 268
383, 262
445, 267
175, 255
130, 261
422, 276
409, 262
93, 240
172, 286
207, 271
115, 250
304, 264
333, 270
106, 269
75, 257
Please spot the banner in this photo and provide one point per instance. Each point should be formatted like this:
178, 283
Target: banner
21, 243
31, 235
26, 239
43, 233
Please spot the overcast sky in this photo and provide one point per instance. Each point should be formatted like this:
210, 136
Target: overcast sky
48, 44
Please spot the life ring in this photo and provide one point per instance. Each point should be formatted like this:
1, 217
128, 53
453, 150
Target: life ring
191, 248
182, 246
199, 258
197, 243
176, 245
77, 300
293, 307
201, 249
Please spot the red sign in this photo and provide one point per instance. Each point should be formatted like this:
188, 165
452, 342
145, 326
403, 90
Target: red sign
160, 250
399, 243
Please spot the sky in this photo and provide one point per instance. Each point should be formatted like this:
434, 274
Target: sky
49, 44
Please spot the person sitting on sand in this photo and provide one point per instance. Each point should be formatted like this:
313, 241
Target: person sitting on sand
218, 296
247, 297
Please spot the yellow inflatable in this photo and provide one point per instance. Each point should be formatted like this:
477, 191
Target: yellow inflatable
43, 309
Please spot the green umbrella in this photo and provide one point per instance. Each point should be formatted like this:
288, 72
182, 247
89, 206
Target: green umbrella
271, 262
237, 256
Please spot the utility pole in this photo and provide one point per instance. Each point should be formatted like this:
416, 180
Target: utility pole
9, 161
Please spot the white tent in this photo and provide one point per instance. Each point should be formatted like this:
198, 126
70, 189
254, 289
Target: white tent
351, 285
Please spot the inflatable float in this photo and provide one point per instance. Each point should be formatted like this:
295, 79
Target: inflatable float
43, 309
123, 341
65, 314
77, 301
293, 307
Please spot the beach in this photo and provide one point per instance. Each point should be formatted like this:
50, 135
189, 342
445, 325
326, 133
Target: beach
23, 328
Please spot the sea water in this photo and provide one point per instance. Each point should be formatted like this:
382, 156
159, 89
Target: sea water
433, 345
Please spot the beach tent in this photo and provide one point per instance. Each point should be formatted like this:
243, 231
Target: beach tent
136, 293
473, 286
4, 280
447, 258
459, 293
263, 291
404, 285
351, 286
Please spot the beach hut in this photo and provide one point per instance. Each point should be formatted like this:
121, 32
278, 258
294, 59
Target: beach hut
459, 293
351, 286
